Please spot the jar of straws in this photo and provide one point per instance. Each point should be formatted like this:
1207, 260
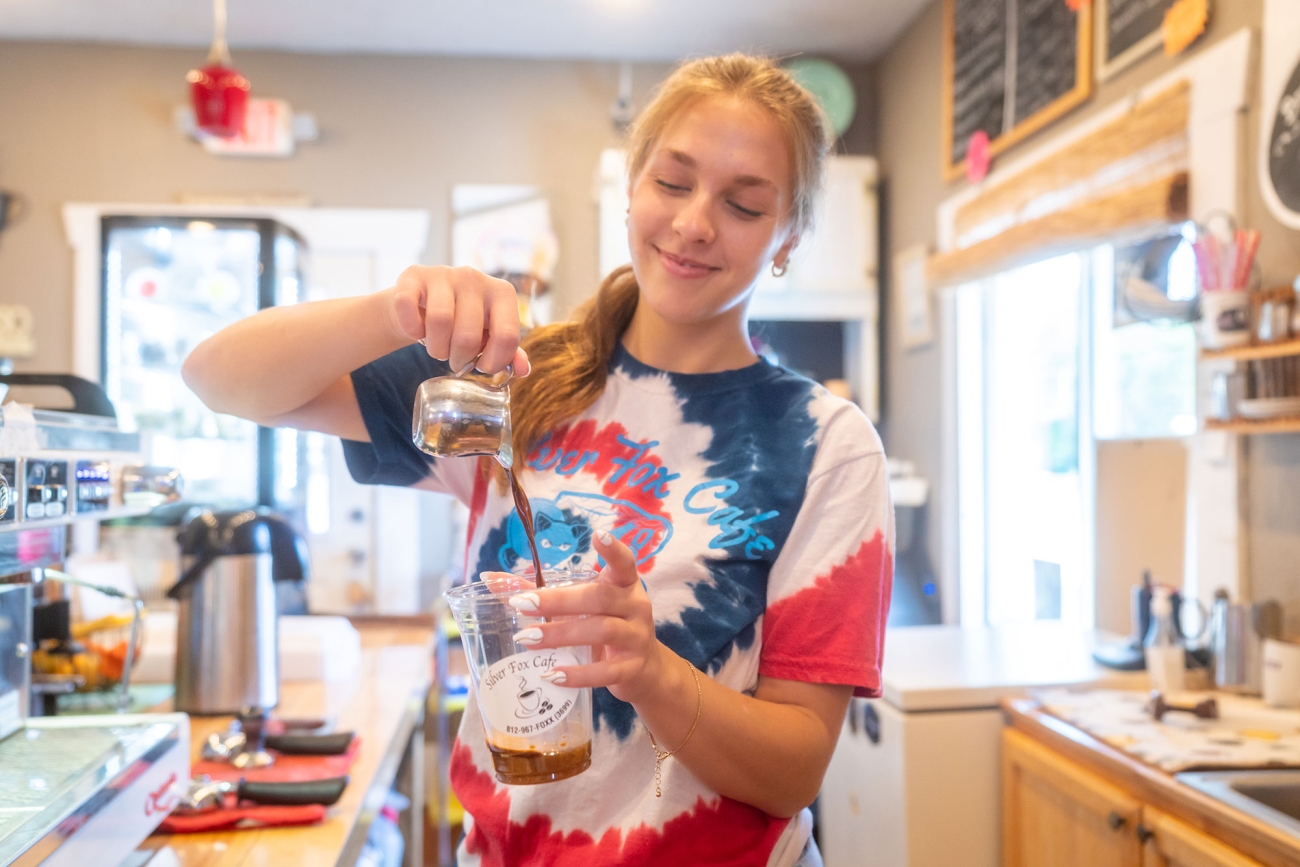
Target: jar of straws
1225, 265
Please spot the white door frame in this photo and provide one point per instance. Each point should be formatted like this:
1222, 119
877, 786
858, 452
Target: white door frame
392, 238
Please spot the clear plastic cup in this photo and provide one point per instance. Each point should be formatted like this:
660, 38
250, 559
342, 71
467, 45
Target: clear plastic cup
537, 731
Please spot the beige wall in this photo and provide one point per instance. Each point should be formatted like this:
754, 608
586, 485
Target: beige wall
1141, 518
909, 147
94, 123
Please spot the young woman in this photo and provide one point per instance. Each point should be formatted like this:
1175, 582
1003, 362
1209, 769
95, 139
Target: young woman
741, 511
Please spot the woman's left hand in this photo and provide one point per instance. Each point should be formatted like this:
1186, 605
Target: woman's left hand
618, 625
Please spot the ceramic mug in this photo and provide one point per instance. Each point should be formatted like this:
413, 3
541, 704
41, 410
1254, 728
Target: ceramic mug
1281, 673
1225, 318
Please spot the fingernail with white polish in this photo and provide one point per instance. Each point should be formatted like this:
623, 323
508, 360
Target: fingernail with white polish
554, 676
531, 635
526, 601
605, 538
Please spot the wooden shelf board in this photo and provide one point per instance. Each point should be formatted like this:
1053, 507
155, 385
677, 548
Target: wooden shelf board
1254, 353
1247, 426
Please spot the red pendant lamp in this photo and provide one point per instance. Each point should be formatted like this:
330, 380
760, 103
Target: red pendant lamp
218, 92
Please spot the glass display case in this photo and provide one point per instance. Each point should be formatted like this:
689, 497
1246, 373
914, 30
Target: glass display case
169, 283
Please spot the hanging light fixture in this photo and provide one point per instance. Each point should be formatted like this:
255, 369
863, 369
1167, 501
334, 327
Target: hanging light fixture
219, 93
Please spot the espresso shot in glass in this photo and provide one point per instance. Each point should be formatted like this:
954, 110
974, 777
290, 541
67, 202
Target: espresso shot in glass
537, 731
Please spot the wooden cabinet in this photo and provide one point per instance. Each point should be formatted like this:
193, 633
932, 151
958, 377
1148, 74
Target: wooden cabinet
1169, 842
1055, 813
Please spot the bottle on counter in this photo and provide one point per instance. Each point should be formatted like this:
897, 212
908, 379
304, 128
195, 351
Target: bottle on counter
1166, 658
385, 846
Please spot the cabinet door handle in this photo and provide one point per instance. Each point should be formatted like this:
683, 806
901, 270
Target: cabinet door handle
1116, 821
1144, 833
871, 723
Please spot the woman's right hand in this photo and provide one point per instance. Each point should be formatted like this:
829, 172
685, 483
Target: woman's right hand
458, 313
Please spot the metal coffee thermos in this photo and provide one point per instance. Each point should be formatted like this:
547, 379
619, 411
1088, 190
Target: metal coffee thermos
227, 654
1237, 634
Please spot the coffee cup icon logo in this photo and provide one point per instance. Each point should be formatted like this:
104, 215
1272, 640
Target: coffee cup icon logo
532, 701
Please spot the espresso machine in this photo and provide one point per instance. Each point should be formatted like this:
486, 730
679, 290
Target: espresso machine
78, 789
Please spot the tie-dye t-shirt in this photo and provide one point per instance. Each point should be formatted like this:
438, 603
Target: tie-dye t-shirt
757, 506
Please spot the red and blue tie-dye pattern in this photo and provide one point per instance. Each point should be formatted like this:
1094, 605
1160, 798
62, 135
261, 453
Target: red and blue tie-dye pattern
757, 506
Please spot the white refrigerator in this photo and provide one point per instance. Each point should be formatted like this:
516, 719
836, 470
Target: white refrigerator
915, 779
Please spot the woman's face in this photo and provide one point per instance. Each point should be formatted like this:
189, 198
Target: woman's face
708, 210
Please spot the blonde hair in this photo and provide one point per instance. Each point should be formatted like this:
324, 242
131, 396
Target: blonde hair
569, 359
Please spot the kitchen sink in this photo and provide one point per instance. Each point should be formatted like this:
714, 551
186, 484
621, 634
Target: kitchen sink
1270, 796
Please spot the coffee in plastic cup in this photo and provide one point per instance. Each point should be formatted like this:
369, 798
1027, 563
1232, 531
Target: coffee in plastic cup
537, 731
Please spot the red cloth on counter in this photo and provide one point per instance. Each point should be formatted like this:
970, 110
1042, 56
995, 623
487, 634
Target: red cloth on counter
242, 818
287, 769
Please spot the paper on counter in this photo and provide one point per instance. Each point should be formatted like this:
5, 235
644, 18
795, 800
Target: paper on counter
1247, 733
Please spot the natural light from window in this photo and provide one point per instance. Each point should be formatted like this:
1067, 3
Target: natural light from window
1044, 368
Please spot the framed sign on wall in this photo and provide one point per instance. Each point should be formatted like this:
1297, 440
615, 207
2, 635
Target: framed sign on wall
1010, 67
1127, 31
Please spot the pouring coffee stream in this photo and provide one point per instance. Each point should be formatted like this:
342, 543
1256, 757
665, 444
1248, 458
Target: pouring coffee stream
525, 510
465, 415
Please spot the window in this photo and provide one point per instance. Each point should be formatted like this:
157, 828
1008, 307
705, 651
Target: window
1044, 368
1144, 372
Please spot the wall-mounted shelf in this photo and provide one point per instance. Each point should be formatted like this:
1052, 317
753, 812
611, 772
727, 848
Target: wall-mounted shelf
1253, 353
1248, 426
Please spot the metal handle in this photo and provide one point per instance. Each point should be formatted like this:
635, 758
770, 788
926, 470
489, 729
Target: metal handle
509, 368
310, 745
88, 397
202, 562
1144, 833
1116, 821
871, 723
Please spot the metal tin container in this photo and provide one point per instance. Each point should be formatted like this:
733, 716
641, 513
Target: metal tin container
227, 650
227, 654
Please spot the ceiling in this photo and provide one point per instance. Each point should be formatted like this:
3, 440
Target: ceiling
646, 30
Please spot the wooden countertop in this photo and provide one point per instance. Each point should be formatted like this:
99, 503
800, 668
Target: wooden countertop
381, 704
1245, 833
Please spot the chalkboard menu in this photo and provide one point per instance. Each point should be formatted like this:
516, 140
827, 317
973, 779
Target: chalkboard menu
1128, 30
979, 71
1284, 145
1047, 37
1010, 67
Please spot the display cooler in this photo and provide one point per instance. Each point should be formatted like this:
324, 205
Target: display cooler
168, 283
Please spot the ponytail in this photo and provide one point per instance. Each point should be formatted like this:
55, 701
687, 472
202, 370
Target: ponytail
569, 361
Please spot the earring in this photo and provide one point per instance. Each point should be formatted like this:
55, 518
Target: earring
779, 270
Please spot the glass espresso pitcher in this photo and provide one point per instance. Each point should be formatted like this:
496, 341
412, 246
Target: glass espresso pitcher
465, 413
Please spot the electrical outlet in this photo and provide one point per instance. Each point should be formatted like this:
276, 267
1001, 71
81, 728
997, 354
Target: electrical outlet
17, 337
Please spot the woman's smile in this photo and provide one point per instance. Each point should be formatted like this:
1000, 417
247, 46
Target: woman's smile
683, 268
